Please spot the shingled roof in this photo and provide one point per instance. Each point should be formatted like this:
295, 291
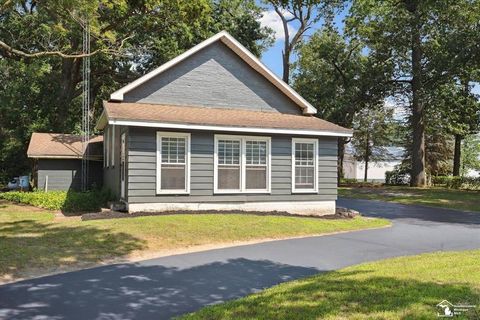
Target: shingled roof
214, 118
63, 146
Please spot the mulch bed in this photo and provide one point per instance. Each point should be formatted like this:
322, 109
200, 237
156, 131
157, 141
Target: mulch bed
118, 214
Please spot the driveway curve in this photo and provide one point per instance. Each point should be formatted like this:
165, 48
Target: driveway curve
169, 286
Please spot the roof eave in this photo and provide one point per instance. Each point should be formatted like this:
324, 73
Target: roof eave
190, 126
103, 119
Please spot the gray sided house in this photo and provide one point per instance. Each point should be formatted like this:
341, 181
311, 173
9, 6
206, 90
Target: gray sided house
214, 129
57, 161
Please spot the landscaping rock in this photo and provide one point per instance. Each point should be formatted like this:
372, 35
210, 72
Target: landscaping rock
346, 213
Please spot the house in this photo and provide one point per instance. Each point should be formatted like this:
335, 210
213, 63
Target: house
57, 160
354, 169
214, 129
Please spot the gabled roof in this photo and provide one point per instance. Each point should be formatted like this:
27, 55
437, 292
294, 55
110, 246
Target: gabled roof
217, 119
63, 146
241, 51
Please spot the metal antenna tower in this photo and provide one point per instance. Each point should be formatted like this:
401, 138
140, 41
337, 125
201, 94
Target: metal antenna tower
85, 103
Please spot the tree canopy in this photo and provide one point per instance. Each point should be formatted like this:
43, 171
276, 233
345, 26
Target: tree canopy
41, 55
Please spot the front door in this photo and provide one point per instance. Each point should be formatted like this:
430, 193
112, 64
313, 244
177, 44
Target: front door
123, 167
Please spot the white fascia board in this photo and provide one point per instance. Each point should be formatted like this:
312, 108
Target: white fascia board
183, 126
241, 51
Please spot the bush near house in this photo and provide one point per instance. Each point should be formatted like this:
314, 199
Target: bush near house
66, 201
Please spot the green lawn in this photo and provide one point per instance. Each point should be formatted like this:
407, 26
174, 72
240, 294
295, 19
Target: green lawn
32, 241
438, 197
400, 288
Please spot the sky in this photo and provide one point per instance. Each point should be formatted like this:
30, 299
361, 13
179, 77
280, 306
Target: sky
272, 58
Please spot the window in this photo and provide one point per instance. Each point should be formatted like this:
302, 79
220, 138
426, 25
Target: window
242, 164
304, 165
173, 162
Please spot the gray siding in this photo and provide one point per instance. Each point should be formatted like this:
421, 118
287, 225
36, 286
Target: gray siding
214, 77
65, 174
142, 170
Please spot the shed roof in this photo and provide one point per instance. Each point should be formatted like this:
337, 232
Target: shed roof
220, 119
63, 146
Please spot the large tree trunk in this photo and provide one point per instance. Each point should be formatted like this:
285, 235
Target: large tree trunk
286, 67
69, 81
367, 157
457, 155
418, 178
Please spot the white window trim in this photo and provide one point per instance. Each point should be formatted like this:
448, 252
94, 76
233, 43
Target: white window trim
161, 134
243, 165
305, 140
112, 140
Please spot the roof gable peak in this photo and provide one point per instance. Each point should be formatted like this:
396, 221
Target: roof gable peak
238, 49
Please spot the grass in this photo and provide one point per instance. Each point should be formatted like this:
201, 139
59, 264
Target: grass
399, 288
33, 241
437, 197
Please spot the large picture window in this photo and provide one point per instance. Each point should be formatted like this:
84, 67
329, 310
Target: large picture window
242, 164
304, 165
173, 162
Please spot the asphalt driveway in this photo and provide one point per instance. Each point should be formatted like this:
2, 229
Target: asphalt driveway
165, 287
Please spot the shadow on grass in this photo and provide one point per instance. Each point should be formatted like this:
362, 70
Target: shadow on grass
143, 291
29, 244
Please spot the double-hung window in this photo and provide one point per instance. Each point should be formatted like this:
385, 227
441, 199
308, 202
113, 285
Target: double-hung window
242, 164
304, 165
173, 162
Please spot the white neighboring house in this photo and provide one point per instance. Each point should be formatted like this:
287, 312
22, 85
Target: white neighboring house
353, 169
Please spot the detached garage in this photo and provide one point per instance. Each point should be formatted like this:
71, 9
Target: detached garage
57, 161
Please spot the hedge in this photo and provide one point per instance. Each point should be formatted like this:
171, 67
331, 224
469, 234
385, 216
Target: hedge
467, 183
66, 201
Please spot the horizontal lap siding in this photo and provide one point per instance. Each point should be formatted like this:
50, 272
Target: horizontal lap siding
213, 77
142, 171
65, 174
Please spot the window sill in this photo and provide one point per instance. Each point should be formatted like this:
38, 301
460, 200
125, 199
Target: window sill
242, 192
172, 192
304, 191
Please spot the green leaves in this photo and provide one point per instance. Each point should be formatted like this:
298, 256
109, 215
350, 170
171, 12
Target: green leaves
129, 38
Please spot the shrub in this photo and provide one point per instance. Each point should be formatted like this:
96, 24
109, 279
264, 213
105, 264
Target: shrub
467, 183
397, 177
66, 201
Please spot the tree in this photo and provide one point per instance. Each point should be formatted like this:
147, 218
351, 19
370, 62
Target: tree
470, 154
305, 13
372, 134
458, 111
40, 66
338, 79
416, 36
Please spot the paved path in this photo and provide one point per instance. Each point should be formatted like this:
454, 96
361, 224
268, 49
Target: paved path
164, 287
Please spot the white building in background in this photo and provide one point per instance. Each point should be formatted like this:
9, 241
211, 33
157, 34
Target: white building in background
353, 169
